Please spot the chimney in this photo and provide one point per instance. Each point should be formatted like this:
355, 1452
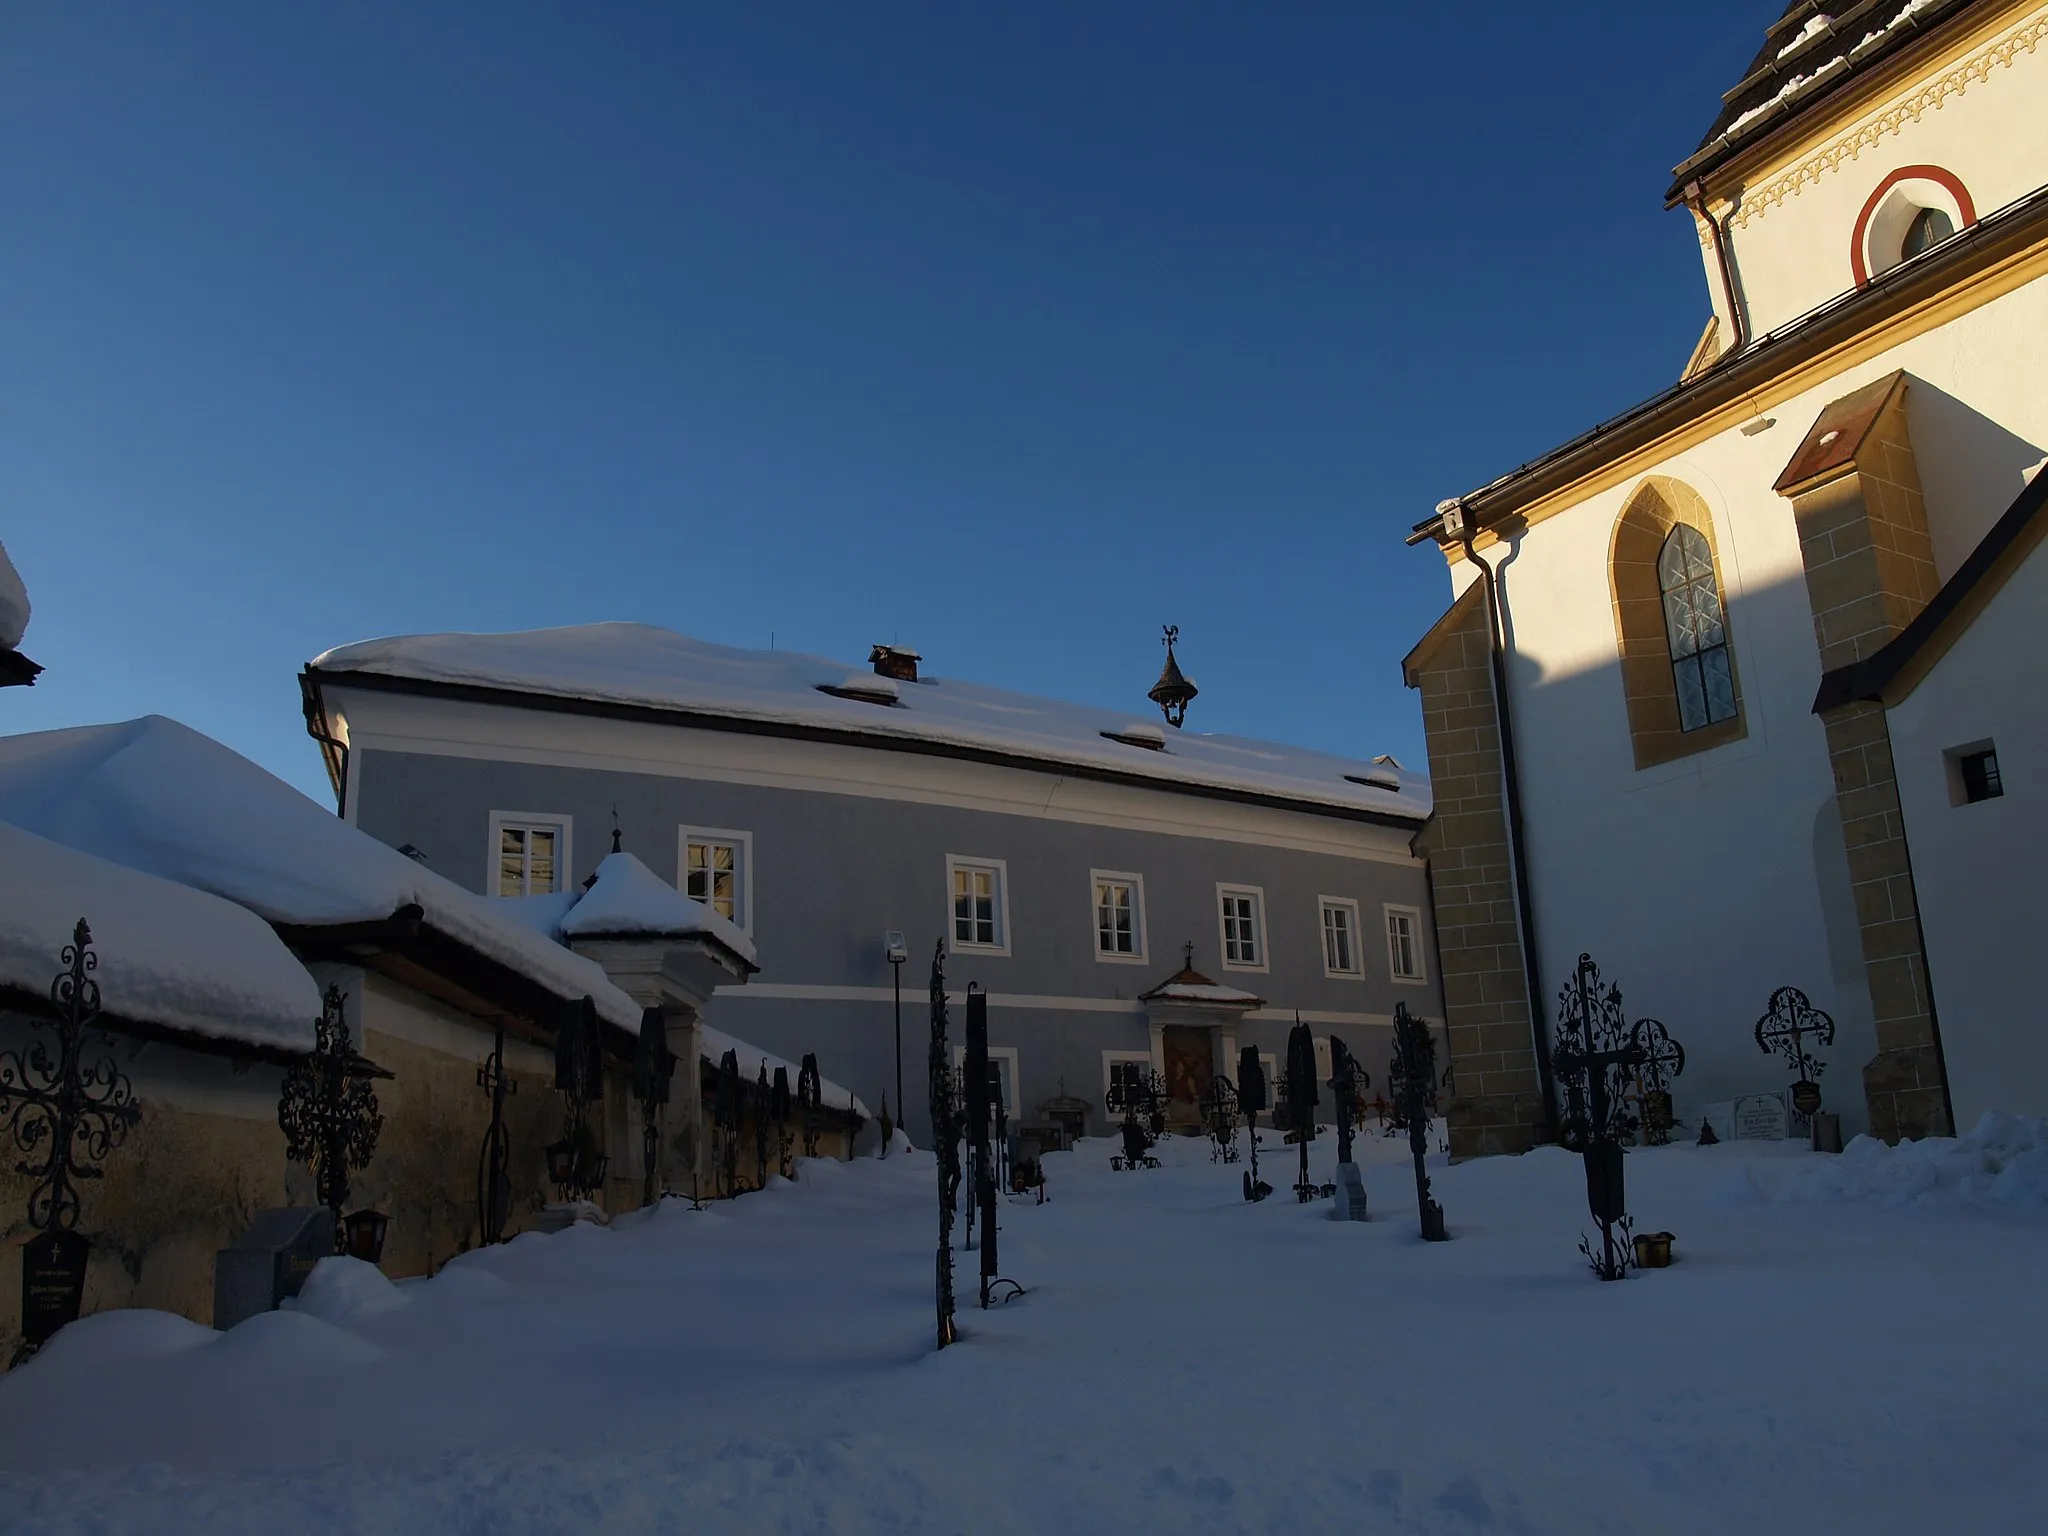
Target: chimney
895, 661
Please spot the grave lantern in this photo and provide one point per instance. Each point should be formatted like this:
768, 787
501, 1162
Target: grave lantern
363, 1232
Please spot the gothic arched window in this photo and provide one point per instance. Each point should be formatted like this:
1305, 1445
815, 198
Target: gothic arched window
1695, 630
1679, 677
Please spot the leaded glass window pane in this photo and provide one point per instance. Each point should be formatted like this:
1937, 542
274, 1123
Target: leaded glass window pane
1701, 672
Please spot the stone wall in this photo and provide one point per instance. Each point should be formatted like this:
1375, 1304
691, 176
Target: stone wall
1496, 1102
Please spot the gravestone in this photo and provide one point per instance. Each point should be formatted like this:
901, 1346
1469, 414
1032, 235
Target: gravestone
1762, 1117
52, 1284
269, 1262
1350, 1195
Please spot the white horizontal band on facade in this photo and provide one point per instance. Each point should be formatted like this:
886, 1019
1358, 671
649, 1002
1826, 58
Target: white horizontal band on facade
391, 722
787, 991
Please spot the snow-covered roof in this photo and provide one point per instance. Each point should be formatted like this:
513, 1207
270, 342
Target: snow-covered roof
13, 603
751, 1057
1191, 986
157, 796
626, 897
168, 955
640, 665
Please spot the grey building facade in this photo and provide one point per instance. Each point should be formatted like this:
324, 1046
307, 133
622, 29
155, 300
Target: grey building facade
1064, 889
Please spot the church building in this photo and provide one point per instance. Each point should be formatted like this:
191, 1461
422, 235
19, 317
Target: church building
1738, 690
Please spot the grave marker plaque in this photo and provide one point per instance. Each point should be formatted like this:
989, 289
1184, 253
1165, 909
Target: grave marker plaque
269, 1262
52, 1284
1762, 1117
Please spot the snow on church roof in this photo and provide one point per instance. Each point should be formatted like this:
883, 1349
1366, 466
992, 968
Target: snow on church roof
159, 797
640, 665
168, 955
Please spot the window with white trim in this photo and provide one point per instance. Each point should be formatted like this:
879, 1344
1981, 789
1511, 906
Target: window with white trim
1404, 943
1002, 1063
529, 854
1122, 1070
1340, 937
1242, 911
1119, 915
979, 902
717, 869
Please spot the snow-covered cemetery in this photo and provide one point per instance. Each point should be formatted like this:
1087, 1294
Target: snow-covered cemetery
668, 1085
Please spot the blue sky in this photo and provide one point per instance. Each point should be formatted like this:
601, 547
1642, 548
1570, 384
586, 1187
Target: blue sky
1009, 332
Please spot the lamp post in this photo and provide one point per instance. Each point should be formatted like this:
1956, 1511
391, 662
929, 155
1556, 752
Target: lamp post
897, 952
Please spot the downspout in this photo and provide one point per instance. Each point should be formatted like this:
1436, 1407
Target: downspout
1738, 330
332, 750
1512, 787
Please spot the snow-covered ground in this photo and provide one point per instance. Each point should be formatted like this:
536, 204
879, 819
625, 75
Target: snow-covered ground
1845, 1343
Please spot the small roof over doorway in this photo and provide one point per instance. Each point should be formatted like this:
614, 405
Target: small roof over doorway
1190, 986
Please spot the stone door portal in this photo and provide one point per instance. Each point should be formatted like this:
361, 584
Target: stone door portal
1189, 1059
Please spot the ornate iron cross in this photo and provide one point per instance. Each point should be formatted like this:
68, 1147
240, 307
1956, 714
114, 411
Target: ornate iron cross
1663, 1059
1593, 1040
810, 1098
328, 1110
1785, 1028
1412, 1072
65, 1114
493, 1174
945, 1142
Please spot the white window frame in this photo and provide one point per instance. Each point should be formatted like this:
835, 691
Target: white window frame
1414, 916
1262, 936
562, 826
1138, 956
742, 844
1005, 1053
1342, 904
1001, 869
1109, 1059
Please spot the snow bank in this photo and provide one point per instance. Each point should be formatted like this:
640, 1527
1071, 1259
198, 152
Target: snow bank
717, 1042
629, 898
13, 603
643, 665
168, 954
341, 1288
2005, 1160
159, 797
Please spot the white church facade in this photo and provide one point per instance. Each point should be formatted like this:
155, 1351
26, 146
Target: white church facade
1741, 689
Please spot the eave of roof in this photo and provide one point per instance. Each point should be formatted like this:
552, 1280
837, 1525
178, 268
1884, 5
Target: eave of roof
1998, 237
313, 680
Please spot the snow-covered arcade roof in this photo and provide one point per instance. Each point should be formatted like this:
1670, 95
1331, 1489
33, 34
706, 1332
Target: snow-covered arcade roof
643, 667
167, 955
157, 796
626, 899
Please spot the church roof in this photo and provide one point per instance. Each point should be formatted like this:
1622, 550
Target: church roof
1809, 53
